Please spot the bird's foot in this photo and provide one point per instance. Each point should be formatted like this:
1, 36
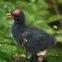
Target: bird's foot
41, 55
23, 55
17, 55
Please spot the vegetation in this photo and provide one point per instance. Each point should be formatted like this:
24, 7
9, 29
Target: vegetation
44, 14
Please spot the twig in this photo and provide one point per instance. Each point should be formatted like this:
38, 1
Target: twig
57, 11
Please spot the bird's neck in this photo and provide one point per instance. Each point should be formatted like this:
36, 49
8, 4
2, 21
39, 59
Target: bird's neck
20, 24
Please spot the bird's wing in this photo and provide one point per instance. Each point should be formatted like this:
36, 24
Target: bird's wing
38, 42
25, 36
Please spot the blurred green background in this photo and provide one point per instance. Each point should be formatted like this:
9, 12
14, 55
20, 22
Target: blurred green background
45, 14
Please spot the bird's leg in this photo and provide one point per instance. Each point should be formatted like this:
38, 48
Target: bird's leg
34, 58
41, 55
25, 40
23, 47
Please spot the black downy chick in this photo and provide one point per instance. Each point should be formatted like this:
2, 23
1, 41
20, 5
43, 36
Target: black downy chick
32, 39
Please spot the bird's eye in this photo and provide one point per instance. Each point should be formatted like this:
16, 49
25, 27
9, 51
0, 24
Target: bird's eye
13, 13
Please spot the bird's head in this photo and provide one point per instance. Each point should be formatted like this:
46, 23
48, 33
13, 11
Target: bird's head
16, 14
